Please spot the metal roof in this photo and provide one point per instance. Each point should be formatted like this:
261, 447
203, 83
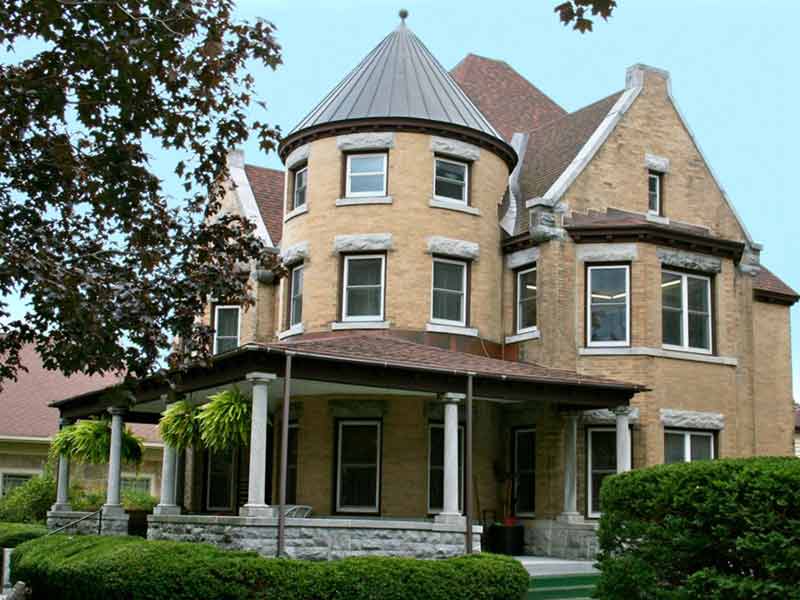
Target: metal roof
399, 78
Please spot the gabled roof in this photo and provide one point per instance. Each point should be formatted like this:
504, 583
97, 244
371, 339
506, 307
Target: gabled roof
510, 102
769, 286
267, 186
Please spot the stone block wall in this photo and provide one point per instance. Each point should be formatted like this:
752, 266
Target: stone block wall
562, 539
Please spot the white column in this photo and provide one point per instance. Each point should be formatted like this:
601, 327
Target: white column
169, 468
257, 490
62, 491
623, 438
113, 504
450, 511
570, 469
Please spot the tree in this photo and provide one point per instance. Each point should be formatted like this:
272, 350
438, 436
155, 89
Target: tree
576, 12
112, 268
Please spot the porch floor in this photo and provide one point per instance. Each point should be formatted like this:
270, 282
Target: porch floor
541, 566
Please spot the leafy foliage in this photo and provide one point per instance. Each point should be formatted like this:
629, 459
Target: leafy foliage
29, 502
725, 529
112, 268
225, 420
13, 534
179, 426
86, 500
577, 11
95, 567
89, 441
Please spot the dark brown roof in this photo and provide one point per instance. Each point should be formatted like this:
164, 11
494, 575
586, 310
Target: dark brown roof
552, 147
771, 285
267, 186
510, 102
24, 410
614, 217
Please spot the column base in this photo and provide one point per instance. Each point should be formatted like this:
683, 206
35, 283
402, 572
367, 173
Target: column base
570, 517
261, 511
66, 507
166, 509
115, 520
450, 519
113, 510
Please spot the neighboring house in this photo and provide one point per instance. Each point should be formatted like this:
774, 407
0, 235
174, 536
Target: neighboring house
580, 280
28, 424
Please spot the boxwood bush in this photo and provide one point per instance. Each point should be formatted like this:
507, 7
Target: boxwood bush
29, 502
723, 529
13, 534
96, 567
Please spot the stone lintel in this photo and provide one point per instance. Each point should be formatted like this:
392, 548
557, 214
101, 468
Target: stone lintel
660, 164
298, 155
455, 148
604, 416
521, 258
367, 242
692, 419
607, 252
294, 254
451, 247
366, 141
684, 259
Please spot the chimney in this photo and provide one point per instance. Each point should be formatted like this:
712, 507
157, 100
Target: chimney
236, 159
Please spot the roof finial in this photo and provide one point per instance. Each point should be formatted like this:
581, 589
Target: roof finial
403, 15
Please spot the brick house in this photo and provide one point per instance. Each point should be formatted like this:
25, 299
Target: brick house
492, 304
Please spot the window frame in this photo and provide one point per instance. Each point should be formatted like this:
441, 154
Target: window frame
464, 292
297, 268
461, 456
219, 307
385, 172
233, 484
685, 347
589, 431
465, 193
296, 174
514, 467
687, 442
345, 273
588, 323
373, 510
141, 476
519, 274
659, 192
30, 473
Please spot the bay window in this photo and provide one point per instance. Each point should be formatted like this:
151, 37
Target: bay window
608, 305
364, 277
366, 175
449, 292
226, 328
451, 180
686, 311
358, 466
526, 300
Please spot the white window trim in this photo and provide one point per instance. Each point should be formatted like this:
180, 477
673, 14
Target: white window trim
238, 322
516, 483
687, 442
363, 318
232, 490
359, 509
372, 193
590, 431
464, 292
627, 340
685, 315
294, 189
151, 482
534, 327
431, 427
465, 192
15, 471
657, 176
291, 296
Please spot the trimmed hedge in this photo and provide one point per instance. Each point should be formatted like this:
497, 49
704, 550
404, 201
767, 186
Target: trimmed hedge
97, 567
13, 534
29, 502
723, 529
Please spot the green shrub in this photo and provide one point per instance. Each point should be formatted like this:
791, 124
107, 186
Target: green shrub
724, 529
86, 500
13, 534
135, 500
97, 567
29, 502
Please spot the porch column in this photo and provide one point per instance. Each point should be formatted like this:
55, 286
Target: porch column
623, 438
62, 492
168, 505
257, 491
450, 512
113, 505
570, 512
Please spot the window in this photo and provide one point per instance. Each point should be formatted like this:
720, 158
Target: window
226, 323
296, 297
602, 462
608, 309
11, 481
686, 311
524, 472
451, 180
436, 468
291, 471
135, 484
687, 446
363, 288
300, 184
449, 292
526, 300
366, 175
654, 192
220, 494
358, 466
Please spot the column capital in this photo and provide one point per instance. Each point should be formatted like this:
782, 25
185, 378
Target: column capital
452, 397
117, 410
260, 377
622, 411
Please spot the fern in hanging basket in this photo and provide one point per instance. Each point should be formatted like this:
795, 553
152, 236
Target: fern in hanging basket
179, 425
225, 420
90, 442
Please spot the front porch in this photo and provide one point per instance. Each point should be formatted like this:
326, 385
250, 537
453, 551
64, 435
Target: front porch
393, 457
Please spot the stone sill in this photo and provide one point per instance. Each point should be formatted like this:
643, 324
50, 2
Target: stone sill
521, 337
293, 330
729, 361
454, 205
366, 200
300, 210
343, 325
453, 329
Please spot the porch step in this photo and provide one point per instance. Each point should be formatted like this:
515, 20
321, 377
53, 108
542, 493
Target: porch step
562, 587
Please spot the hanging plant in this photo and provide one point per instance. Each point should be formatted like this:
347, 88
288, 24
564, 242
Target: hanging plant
90, 442
225, 420
179, 425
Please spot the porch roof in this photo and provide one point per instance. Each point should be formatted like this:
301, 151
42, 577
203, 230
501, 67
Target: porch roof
374, 360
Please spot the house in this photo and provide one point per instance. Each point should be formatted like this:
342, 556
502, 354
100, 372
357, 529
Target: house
28, 424
492, 305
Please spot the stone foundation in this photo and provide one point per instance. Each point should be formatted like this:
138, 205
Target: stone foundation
317, 538
573, 540
111, 524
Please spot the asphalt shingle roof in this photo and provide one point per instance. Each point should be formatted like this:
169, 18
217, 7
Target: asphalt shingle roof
267, 186
767, 281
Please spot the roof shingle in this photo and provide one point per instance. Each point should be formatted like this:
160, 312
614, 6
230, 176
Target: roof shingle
767, 281
267, 186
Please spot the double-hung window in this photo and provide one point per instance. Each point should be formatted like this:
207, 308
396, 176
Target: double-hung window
687, 446
366, 175
451, 181
226, 326
602, 462
526, 300
300, 184
654, 192
436, 468
11, 481
364, 277
138, 484
525, 472
358, 469
608, 305
686, 311
449, 292
296, 296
